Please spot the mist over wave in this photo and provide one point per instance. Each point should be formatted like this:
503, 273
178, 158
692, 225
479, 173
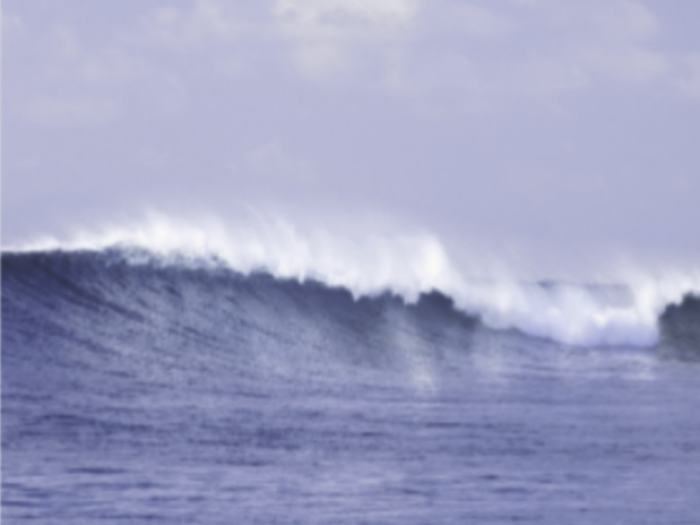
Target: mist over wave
626, 312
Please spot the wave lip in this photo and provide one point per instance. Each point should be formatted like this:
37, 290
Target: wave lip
407, 265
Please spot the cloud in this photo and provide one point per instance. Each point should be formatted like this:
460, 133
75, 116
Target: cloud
66, 84
467, 56
323, 15
62, 80
205, 22
327, 35
472, 55
438, 55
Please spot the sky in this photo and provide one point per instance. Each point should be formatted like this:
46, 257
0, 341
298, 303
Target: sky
556, 131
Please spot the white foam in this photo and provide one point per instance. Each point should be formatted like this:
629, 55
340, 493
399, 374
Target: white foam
408, 265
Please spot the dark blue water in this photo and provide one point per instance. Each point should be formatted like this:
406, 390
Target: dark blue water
166, 394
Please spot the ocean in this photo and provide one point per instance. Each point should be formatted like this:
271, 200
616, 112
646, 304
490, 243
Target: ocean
142, 389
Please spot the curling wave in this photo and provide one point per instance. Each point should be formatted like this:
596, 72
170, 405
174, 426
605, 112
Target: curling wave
407, 266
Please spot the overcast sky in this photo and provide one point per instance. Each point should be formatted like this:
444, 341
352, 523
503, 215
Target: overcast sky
569, 126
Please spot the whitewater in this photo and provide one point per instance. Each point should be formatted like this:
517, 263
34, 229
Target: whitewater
172, 372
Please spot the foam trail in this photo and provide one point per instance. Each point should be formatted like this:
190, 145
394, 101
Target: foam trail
404, 264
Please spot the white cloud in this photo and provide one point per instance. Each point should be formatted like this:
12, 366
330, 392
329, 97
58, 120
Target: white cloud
445, 54
468, 56
474, 54
314, 15
205, 22
327, 34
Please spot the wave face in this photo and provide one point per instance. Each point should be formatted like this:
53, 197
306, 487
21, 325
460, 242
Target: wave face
147, 389
256, 325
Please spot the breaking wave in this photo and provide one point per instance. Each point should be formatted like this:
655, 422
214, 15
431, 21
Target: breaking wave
405, 266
